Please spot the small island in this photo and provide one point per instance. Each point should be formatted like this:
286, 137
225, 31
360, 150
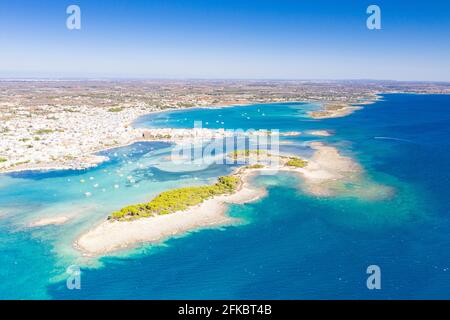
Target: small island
338, 109
184, 209
320, 133
178, 211
177, 200
296, 162
182, 198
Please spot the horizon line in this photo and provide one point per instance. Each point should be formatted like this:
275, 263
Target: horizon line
106, 78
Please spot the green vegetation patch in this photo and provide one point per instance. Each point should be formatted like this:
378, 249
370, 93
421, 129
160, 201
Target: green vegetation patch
246, 153
296, 162
21, 163
177, 199
255, 166
115, 109
44, 131
163, 136
3, 159
185, 104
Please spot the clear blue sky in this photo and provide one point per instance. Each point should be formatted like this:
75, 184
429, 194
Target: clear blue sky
302, 39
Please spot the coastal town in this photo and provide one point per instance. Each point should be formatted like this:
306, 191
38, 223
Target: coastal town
62, 124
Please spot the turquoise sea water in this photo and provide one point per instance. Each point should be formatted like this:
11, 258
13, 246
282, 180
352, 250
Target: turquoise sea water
290, 245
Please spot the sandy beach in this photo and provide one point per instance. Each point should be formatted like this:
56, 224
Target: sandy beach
338, 110
50, 221
320, 133
111, 236
334, 113
326, 168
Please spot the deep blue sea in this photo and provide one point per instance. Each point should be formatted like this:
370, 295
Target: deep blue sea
290, 245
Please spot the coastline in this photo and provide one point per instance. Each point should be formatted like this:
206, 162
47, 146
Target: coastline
110, 236
325, 167
90, 159
94, 159
339, 110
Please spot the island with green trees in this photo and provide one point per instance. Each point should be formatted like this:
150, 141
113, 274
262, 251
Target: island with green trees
296, 162
178, 199
184, 209
182, 198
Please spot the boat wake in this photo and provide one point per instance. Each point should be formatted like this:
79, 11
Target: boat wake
394, 139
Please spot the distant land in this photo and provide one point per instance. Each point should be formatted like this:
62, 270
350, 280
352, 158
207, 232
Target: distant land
47, 124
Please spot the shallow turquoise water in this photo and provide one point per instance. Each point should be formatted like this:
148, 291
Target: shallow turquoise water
289, 244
